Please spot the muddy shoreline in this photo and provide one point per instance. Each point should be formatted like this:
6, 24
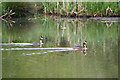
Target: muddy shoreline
81, 16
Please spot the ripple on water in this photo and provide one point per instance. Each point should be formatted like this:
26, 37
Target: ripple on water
34, 48
50, 51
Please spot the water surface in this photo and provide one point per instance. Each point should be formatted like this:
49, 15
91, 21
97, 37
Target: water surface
56, 58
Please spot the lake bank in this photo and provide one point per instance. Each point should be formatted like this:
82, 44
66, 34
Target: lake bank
81, 16
63, 9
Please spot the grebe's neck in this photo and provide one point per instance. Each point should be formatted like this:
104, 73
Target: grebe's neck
40, 41
41, 38
84, 46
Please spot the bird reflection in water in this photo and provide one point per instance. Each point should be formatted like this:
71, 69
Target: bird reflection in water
84, 52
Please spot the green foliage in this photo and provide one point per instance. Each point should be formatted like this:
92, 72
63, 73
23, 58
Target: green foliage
21, 9
100, 7
26, 8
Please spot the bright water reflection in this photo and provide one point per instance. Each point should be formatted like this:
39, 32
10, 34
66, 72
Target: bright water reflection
22, 59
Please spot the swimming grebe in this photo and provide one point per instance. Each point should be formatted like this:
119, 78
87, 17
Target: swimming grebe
41, 38
80, 47
35, 43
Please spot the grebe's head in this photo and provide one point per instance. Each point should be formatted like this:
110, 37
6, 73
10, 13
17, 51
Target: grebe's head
85, 42
41, 38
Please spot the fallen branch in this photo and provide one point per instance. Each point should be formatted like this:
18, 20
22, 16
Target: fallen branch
7, 15
6, 18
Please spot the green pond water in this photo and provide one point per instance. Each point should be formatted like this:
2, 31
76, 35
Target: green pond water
56, 58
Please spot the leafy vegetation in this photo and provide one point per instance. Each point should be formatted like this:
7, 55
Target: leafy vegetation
61, 8
21, 9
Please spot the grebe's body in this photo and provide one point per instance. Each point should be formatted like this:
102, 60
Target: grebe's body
81, 47
35, 43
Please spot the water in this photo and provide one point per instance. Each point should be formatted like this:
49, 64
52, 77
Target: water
56, 58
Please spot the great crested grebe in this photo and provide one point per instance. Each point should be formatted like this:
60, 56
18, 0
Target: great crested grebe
84, 47
41, 38
36, 43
